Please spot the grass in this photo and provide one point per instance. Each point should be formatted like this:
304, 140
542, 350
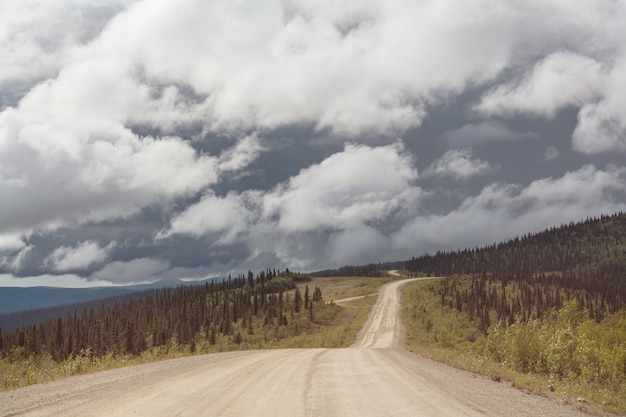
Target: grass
336, 288
333, 326
447, 336
336, 326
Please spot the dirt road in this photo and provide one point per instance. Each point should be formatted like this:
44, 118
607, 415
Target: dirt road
374, 377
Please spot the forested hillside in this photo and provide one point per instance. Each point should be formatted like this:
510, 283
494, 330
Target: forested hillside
550, 304
169, 317
595, 241
585, 260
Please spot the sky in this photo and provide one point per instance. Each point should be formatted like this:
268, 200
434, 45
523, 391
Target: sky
160, 139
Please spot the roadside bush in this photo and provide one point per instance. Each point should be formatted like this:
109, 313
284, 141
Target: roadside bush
564, 345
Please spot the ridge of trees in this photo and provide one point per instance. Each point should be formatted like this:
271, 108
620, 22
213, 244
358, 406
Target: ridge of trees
185, 315
551, 304
593, 241
527, 277
369, 270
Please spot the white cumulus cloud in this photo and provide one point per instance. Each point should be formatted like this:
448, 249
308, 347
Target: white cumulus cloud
602, 125
561, 79
459, 164
501, 211
226, 216
241, 155
349, 188
84, 255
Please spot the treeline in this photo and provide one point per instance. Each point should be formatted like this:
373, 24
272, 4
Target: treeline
595, 241
186, 315
551, 303
600, 290
528, 277
369, 270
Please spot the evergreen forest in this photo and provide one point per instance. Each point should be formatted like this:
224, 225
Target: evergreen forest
234, 309
549, 304
526, 277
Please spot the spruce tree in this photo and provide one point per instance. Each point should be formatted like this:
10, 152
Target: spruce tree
297, 301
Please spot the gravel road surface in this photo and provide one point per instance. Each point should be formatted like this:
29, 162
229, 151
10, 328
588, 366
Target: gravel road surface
374, 377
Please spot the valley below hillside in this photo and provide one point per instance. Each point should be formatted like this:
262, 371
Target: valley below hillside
373, 377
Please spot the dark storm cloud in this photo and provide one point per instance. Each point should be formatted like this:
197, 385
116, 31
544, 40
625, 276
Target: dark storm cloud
142, 140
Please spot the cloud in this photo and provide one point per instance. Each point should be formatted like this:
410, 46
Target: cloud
122, 120
366, 70
602, 125
136, 270
458, 164
359, 191
11, 242
350, 247
83, 256
319, 217
352, 187
241, 155
81, 170
502, 211
551, 153
484, 133
18, 260
225, 216
559, 80
37, 39
254, 65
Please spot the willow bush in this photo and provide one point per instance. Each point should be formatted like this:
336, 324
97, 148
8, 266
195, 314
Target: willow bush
566, 344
